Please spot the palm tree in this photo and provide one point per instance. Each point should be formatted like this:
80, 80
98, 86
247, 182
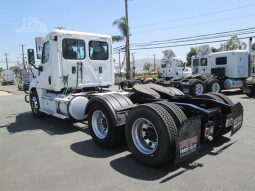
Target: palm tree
234, 44
122, 25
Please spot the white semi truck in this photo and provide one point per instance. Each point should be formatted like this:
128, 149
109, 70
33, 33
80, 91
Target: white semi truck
215, 72
8, 77
160, 125
172, 66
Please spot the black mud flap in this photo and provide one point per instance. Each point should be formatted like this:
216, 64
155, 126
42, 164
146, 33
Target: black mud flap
237, 115
188, 140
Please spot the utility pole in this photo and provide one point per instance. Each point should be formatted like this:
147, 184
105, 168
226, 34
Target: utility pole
23, 56
129, 75
133, 61
6, 60
154, 64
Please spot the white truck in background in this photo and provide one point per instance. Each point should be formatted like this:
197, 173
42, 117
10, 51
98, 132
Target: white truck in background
8, 77
214, 72
249, 84
172, 66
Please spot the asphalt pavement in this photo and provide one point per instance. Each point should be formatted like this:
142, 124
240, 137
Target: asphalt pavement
51, 154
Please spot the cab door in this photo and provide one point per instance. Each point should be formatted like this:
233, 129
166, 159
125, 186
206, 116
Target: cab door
203, 66
98, 66
45, 80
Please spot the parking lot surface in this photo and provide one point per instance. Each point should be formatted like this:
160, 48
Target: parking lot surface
51, 154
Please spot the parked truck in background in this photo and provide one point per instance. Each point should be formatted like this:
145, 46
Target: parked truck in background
8, 77
215, 72
172, 66
249, 84
161, 125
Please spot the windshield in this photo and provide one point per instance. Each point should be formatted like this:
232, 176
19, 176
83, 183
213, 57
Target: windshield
166, 64
179, 63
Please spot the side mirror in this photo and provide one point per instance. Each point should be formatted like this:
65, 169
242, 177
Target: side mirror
31, 56
40, 68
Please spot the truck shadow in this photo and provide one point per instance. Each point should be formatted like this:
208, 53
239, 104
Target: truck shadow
129, 166
51, 125
89, 148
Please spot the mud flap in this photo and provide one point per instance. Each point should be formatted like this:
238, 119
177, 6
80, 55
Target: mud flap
237, 115
188, 140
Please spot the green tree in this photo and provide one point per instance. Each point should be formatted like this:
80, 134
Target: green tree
191, 53
15, 69
213, 49
253, 47
122, 25
234, 44
147, 67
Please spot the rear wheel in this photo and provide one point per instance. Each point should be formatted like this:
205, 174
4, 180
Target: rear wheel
197, 87
150, 134
102, 128
213, 85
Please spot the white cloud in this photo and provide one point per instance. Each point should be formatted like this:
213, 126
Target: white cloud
31, 25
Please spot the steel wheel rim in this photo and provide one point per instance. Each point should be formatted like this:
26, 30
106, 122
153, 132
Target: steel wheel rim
199, 89
215, 87
144, 135
99, 124
35, 106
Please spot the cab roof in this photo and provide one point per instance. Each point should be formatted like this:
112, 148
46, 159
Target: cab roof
71, 32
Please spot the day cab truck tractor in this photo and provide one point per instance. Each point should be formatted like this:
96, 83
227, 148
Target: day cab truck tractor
161, 125
215, 72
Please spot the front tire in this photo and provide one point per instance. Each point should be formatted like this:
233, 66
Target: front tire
35, 104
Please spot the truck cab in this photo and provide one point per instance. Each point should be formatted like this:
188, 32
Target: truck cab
172, 67
71, 61
200, 65
74, 59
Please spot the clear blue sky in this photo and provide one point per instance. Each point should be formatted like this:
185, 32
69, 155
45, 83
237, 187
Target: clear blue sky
149, 20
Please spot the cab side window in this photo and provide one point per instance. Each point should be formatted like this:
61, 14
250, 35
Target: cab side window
98, 50
73, 49
46, 52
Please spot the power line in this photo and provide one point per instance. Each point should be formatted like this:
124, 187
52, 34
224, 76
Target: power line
189, 44
196, 24
203, 35
244, 31
194, 39
196, 16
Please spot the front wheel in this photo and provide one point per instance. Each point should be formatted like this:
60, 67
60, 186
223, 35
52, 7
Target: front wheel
35, 104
